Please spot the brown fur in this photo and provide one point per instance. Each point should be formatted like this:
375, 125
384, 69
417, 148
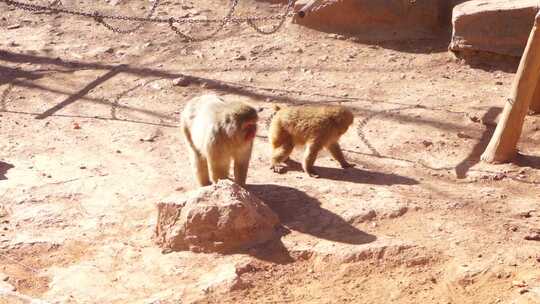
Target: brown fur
216, 132
316, 127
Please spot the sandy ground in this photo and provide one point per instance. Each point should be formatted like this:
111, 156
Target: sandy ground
90, 142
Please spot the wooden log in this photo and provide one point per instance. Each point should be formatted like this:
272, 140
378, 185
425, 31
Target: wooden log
502, 146
535, 103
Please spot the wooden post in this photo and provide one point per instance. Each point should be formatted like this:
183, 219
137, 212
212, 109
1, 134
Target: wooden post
534, 107
502, 146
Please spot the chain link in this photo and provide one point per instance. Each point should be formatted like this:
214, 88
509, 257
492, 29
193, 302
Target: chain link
128, 31
221, 26
275, 28
100, 18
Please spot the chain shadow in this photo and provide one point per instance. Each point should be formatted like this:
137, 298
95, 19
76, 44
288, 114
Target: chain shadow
74, 97
9, 76
206, 83
4, 168
303, 213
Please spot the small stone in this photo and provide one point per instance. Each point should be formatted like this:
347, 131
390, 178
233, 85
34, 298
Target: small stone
520, 284
152, 137
240, 57
499, 176
298, 50
182, 81
498, 83
463, 135
427, 143
533, 236
13, 26
76, 126
474, 118
523, 290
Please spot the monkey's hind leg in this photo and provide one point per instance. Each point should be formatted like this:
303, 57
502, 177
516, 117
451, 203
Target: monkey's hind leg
336, 152
200, 169
312, 149
280, 154
218, 166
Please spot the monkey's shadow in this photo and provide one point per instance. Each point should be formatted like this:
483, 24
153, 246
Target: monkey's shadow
4, 168
355, 175
301, 212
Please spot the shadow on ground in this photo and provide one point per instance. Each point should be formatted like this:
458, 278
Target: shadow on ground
355, 175
303, 213
4, 168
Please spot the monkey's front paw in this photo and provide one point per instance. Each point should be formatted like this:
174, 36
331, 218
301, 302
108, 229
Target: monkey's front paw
278, 169
347, 165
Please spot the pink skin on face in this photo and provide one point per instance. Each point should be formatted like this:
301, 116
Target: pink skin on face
251, 130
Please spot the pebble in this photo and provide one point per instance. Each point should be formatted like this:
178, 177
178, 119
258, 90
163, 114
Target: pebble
463, 135
182, 81
533, 236
520, 284
427, 143
13, 26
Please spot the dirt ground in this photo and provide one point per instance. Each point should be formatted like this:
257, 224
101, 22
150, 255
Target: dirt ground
90, 142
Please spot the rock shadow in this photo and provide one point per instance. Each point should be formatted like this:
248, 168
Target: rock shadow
4, 168
355, 175
303, 213
272, 251
488, 61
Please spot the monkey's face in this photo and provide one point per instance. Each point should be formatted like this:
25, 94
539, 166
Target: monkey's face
249, 130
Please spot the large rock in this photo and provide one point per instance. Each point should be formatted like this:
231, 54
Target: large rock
220, 218
493, 26
376, 19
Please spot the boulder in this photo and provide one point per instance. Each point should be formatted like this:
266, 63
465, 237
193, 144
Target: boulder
223, 218
376, 19
495, 26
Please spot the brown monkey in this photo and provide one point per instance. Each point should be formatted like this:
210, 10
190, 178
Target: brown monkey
316, 127
216, 132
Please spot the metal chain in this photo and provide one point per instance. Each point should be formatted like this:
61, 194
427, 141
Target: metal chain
234, 4
128, 31
100, 17
275, 28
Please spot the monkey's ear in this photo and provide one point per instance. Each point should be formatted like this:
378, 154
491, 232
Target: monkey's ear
276, 107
